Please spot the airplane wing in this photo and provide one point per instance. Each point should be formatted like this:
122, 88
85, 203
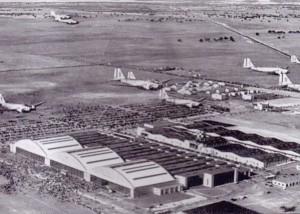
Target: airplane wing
279, 87
40, 103
4, 109
122, 84
164, 82
202, 99
107, 81
125, 85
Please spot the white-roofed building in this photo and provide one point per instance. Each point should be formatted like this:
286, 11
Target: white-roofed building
97, 156
100, 165
40, 150
136, 178
80, 162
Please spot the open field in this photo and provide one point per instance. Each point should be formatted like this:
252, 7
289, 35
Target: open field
255, 19
27, 203
66, 60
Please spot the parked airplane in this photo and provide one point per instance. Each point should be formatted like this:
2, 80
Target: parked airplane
294, 59
189, 103
269, 70
285, 81
132, 81
21, 108
63, 18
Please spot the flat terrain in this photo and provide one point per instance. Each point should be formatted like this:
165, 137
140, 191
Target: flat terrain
39, 55
33, 204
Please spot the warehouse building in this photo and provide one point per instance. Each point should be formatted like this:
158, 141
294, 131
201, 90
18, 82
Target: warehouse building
175, 135
139, 177
194, 137
40, 150
99, 164
287, 178
218, 176
81, 162
132, 166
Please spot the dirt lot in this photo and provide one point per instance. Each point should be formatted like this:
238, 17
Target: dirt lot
33, 204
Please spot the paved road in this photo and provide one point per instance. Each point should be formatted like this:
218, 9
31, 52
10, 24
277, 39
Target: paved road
285, 53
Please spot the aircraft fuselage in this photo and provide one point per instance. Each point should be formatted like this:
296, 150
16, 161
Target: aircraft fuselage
188, 103
272, 70
148, 85
17, 107
295, 87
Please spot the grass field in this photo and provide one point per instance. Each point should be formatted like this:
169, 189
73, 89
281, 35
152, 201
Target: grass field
41, 56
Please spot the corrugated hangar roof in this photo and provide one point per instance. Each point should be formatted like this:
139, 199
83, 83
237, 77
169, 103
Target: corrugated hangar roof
97, 156
134, 174
86, 159
67, 159
46, 147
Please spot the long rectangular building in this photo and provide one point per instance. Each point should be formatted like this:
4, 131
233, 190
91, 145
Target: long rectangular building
99, 164
101, 158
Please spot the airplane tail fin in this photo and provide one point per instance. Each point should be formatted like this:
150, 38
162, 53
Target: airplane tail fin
294, 59
163, 94
130, 76
284, 80
118, 75
52, 13
2, 101
247, 63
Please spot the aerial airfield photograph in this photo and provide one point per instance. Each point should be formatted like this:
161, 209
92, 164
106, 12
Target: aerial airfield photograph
149, 106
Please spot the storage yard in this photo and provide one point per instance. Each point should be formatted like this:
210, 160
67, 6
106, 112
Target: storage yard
221, 136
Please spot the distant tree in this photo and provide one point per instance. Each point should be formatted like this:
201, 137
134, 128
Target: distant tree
179, 40
231, 39
200, 40
257, 34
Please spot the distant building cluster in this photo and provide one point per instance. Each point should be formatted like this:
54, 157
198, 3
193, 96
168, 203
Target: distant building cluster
217, 140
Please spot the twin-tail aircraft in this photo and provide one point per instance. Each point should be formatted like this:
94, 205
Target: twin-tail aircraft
189, 103
270, 70
294, 59
63, 18
284, 81
132, 81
